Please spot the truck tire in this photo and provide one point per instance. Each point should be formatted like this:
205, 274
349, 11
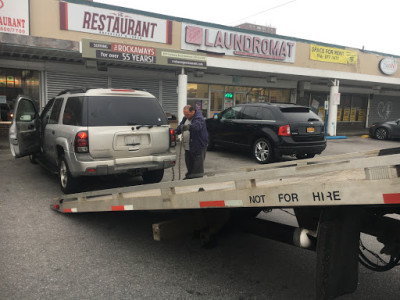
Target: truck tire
154, 176
68, 183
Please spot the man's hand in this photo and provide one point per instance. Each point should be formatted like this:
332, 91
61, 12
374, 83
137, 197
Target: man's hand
185, 127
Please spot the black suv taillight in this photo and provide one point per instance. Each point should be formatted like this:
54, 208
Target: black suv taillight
284, 130
172, 137
81, 143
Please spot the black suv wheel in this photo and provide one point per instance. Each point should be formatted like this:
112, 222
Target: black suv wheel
262, 151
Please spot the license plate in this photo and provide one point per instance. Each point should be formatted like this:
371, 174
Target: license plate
132, 140
310, 129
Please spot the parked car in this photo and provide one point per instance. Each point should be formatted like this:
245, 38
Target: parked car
268, 130
5, 112
92, 132
385, 130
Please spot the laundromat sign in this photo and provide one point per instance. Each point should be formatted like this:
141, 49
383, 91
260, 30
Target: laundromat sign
84, 18
237, 43
142, 55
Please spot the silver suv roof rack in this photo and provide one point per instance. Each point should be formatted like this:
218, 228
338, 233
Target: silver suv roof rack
76, 90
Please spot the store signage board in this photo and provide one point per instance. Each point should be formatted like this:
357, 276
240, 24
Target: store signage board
332, 55
388, 65
142, 55
237, 43
89, 19
14, 16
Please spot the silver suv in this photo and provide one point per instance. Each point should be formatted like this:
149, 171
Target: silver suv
92, 132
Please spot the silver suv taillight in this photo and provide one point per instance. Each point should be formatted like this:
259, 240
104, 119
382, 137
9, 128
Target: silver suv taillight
81, 143
172, 137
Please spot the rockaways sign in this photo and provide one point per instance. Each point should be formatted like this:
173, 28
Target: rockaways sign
127, 53
97, 20
237, 43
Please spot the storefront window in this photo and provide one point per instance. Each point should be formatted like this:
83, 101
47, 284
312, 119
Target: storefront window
197, 96
352, 108
195, 90
279, 95
18, 82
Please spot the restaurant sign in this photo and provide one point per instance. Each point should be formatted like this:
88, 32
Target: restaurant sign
142, 55
235, 43
84, 18
14, 16
332, 55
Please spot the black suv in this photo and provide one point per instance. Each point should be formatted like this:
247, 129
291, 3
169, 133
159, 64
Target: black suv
269, 130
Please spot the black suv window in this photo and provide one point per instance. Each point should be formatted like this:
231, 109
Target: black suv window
265, 113
231, 113
73, 111
299, 114
250, 112
120, 111
55, 112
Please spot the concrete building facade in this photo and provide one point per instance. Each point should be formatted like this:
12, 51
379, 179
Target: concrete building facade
47, 46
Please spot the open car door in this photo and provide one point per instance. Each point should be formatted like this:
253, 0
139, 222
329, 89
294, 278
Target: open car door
24, 131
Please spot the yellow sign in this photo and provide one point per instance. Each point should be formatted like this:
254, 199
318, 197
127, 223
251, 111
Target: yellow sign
339, 115
346, 114
353, 114
361, 115
333, 55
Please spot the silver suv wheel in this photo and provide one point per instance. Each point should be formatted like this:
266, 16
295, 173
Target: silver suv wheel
67, 182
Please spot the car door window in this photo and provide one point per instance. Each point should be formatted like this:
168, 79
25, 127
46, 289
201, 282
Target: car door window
231, 114
26, 111
265, 113
55, 111
250, 112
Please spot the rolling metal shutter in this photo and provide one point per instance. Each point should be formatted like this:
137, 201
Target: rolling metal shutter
151, 86
170, 97
57, 82
383, 108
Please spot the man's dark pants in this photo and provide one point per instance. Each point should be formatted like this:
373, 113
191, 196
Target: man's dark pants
195, 164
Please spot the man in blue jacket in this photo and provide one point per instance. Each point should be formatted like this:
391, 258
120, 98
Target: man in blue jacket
195, 139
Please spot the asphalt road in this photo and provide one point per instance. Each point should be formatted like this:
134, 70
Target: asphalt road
48, 255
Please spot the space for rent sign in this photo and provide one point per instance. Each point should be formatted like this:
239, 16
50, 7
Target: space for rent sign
115, 23
14, 16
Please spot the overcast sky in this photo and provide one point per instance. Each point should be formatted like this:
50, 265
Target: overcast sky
373, 25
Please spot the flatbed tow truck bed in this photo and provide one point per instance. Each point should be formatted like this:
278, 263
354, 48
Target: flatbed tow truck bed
334, 198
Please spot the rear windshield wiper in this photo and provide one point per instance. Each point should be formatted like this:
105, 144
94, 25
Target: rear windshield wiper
312, 119
140, 126
132, 123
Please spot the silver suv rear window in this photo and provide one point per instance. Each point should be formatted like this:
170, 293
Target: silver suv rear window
123, 111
